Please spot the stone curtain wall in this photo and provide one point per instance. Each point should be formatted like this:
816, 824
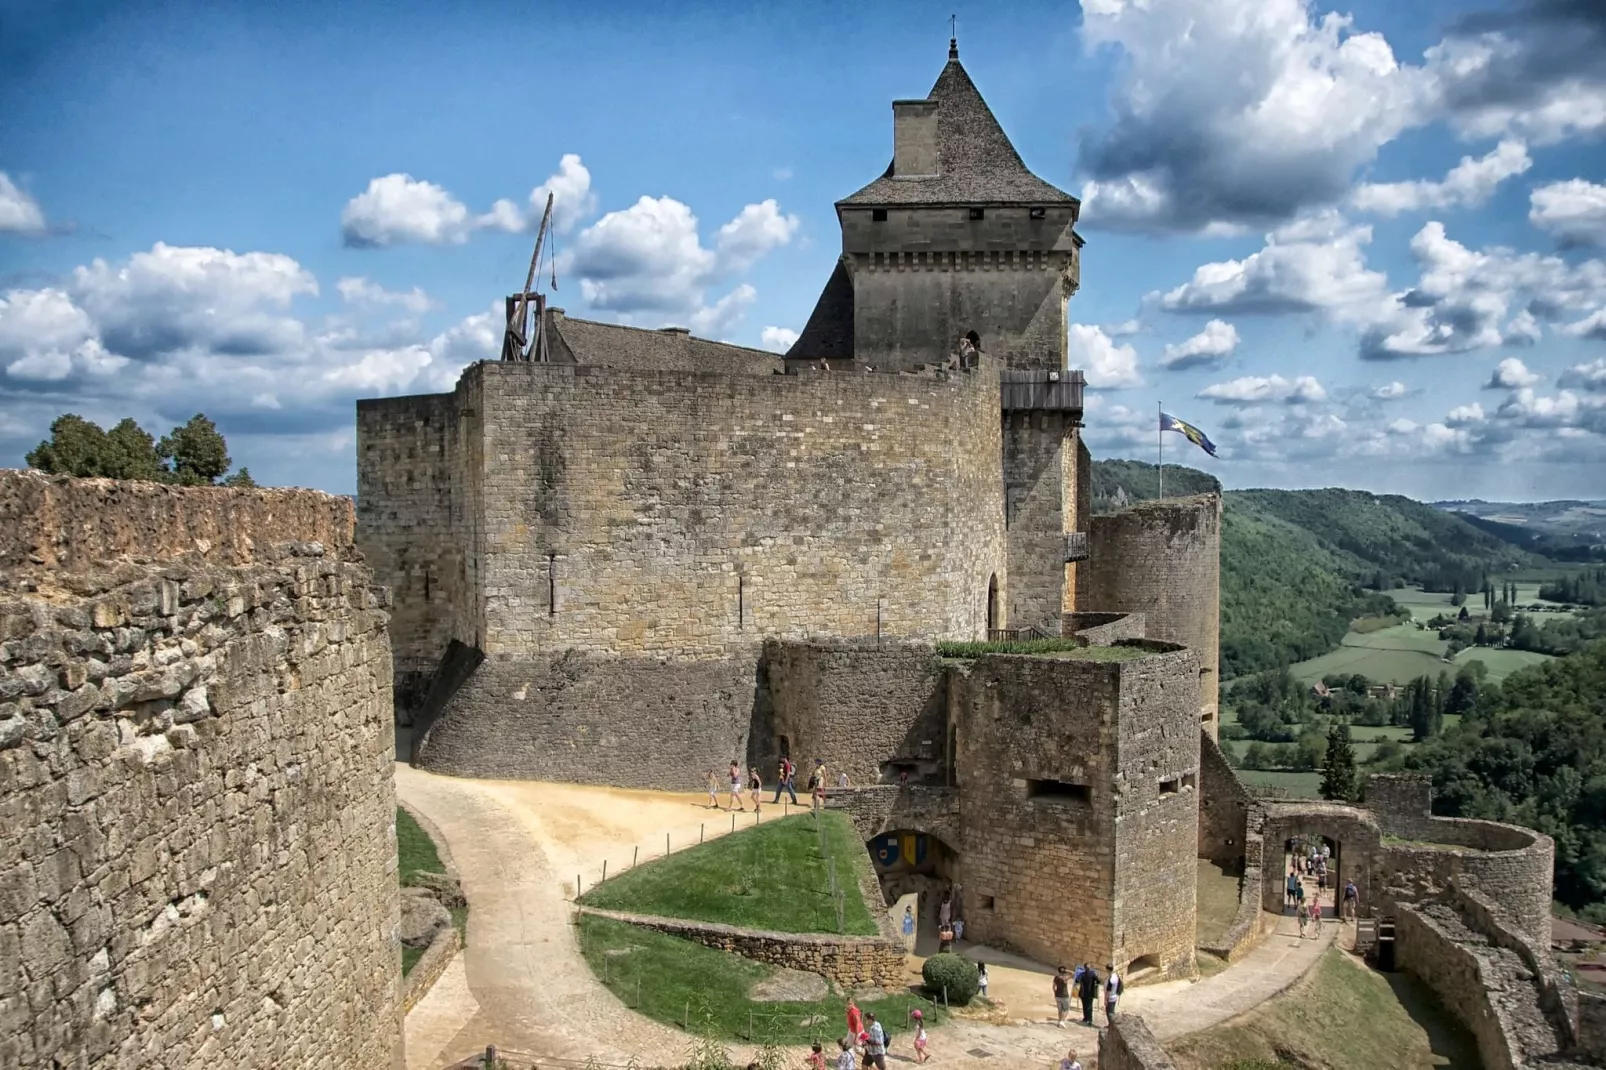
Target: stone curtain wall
1432, 944
195, 781
849, 961
1157, 805
1103, 629
1163, 559
1592, 1026
856, 706
1223, 807
588, 719
1040, 493
692, 515
56, 522
1128, 1045
415, 528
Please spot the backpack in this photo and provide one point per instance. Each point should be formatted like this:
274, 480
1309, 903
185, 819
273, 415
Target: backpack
886, 1039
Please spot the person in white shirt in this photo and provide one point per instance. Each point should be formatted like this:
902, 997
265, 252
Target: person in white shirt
1112, 992
844, 1059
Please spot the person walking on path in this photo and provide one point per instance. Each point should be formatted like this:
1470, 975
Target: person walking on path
1069, 1062
736, 786
786, 773
713, 790
1316, 917
1303, 919
855, 1020
875, 1049
817, 786
1293, 886
755, 788
959, 929
981, 979
816, 1059
1062, 996
920, 1035
1112, 992
1352, 898
1088, 989
945, 909
842, 780
844, 1059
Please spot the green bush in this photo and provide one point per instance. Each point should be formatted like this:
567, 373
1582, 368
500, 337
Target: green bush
949, 971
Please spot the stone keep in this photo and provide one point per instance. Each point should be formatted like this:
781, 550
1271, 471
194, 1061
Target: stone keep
199, 860
587, 554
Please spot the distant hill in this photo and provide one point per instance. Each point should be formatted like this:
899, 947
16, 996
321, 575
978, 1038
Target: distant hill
1562, 530
1296, 564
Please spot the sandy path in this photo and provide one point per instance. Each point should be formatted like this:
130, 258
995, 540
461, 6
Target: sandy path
522, 984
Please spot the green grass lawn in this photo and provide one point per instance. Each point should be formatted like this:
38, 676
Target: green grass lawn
1501, 663
771, 876
1304, 785
670, 979
1341, 1016
416, 853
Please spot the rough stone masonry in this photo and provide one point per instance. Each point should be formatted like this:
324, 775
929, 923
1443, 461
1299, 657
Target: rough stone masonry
198, 866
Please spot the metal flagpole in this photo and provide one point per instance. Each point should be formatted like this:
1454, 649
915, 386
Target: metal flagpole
1159, 438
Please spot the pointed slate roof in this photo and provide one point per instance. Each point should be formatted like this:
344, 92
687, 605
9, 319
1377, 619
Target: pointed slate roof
979, 164
829, 332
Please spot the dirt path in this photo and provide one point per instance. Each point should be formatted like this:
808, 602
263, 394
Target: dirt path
521, 983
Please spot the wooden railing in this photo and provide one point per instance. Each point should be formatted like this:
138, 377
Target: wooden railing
1016, 635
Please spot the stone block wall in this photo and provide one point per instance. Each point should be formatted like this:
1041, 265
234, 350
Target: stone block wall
849, 961
857, 706
1157, 811
1103, 629
195, 779
1039, 508
416, 528
691, 515
1592, 1026
1128, 1045
1431, 944
429, 967
1223, 807
1163, 560
589, 719
889, 807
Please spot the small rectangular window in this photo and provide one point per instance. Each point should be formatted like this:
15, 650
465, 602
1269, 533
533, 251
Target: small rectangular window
978, 213
1039, 213
1058, 791
878, 215
987, 902
1189, 780
1170, 787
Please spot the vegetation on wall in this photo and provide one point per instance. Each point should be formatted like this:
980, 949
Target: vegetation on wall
192, 454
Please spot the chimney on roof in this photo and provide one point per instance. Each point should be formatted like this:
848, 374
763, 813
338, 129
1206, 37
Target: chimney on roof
914, 138
674, 330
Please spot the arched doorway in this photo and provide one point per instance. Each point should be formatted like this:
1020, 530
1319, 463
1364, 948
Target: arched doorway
993, 606
908, 862
1351, 840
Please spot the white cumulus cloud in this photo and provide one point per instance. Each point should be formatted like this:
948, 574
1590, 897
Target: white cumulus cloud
365, 293
1106, 365
1469, 184
1511, 374
1391, 391
1574, 212
572, 197
1212, 345
398, 209
779, 339
19, 212
757, 230
1256, 389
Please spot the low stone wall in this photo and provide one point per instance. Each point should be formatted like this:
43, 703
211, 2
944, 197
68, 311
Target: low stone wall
1128, 1045
429, 967
1591, 1026
1429, 945
849, 961
1514, 869
58, 522
1103, 629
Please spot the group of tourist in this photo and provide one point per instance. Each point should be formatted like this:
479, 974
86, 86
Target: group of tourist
785, 777
1085, 983
1310, 860
867, 1039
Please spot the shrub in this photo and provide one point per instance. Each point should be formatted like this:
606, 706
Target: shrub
951, 972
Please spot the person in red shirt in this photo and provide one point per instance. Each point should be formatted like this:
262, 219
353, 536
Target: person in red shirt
855, 1020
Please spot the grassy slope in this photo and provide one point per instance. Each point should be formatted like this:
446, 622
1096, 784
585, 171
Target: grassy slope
1341, 1016
415, 853
669, 979
771, 876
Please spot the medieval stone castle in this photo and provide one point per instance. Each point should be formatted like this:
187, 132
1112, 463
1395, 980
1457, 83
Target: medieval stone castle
631, 564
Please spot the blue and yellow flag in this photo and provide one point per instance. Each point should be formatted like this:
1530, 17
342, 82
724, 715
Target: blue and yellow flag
1188, 431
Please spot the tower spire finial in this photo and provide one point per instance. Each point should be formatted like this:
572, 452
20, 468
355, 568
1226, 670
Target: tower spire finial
953, 36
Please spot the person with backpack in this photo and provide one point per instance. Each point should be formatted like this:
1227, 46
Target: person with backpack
1293, 886
786, 773
1113, 986
1088, 989
875, 1043
1352, 899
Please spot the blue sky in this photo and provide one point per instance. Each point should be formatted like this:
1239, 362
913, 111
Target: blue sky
1360, 246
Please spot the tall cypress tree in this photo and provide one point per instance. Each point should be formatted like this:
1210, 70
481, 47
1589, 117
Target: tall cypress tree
1338, 765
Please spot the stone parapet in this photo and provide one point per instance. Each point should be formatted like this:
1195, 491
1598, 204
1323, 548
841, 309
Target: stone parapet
849, 961
55, 522
429, 967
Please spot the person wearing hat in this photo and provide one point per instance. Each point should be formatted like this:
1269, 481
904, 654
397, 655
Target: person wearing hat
920, 1035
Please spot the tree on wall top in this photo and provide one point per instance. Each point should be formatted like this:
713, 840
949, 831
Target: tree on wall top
194, 454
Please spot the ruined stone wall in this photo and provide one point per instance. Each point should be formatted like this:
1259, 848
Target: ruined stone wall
1163, 559
849, 961
1103, 629
1223, 807
1157, 807
858, 707
591, 719
413, 516
690, 515
1040, 505
195, 780
923, 276
1128, 1045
